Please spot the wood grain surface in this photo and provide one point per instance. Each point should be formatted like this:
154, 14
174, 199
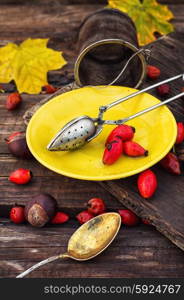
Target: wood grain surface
165, 210
138, 251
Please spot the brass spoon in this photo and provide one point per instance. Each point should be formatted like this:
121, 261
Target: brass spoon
88, 240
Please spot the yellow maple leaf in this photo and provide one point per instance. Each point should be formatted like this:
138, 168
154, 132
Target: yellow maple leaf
148, 16
28, 64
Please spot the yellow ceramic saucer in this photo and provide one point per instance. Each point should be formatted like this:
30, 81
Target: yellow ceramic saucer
155, 131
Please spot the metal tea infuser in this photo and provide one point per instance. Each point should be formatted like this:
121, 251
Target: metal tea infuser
84, 129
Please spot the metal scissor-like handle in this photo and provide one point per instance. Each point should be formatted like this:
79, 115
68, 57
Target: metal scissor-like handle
103, 109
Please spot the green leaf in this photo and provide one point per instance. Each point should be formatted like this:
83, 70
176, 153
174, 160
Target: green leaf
148, 16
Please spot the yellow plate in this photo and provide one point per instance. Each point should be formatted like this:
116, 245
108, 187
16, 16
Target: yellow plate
155, 131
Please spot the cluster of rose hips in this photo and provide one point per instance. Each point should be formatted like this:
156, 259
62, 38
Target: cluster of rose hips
96, 206
154, 73
38, 211
147, 181
120, 142
41, 210
170, 162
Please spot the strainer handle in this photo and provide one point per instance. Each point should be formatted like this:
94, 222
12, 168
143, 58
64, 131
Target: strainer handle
122, 121
145, 52
103, 109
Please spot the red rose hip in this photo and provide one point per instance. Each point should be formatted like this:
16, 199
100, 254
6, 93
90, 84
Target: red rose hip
13, 101
180, 133
171, 163
146, 222
84, 216
153, 72
112, 152
49, 89
20, 176
96, 206
163, 90
59, 218
134, 149
124, 132
147, 183
128, 217
17, 214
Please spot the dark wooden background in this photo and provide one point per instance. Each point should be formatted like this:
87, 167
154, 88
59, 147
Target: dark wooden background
137, 252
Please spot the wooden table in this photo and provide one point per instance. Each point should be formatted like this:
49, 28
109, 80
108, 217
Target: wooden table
137, 252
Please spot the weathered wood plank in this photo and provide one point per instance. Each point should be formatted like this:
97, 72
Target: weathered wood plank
165, 210
9, 163
130, 257
73, 2
137, 252
71, 194
65, 21
149, 264
61, 233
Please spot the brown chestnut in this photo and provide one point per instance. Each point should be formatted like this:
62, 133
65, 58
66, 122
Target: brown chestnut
40, 210
17, 145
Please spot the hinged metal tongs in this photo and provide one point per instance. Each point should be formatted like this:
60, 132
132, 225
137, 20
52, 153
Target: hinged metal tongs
83, 129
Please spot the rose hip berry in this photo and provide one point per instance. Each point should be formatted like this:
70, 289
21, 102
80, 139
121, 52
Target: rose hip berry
17, 214
163, 90
13, 101
84, 216
153, 72
171, 163
133, 149
124, 132
20, 176
180, 133
49, 89
96, 206
147, 183
59, 218
112, 152
146, 222
128, 217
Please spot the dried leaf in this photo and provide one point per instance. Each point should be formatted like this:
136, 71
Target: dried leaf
148, 16
28, 64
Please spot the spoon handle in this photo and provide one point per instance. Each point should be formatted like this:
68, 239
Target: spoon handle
122, 121
41, 263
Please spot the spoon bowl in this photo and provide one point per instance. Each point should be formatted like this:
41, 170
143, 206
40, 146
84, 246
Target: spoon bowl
88, 240
94, 236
